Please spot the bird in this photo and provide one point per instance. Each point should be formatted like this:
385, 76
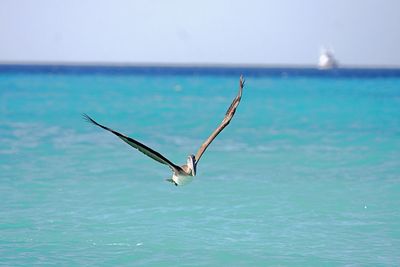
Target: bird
181, 175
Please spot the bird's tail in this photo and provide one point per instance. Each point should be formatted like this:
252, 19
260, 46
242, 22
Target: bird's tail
171, 181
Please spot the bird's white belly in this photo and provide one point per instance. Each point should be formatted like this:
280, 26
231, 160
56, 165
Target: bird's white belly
182, 179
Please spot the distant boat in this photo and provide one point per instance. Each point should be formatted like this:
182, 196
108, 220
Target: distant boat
327, 60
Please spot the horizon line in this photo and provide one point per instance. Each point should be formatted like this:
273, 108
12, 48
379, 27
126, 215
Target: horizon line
189, 65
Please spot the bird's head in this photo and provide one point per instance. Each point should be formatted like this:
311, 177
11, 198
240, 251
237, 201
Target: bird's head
191, 163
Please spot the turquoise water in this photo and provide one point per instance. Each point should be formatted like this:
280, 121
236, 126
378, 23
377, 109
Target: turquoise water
306, 174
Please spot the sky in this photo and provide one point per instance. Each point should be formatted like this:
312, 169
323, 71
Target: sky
360, 32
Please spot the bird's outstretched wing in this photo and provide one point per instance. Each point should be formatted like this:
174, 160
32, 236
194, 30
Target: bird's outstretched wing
228, 117
139, 146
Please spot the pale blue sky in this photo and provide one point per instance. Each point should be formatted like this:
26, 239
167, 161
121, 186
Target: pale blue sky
361, 32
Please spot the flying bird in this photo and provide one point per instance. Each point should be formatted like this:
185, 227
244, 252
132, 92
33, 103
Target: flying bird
184, 174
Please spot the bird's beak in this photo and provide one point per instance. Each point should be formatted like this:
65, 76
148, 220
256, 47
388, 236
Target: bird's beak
192, 165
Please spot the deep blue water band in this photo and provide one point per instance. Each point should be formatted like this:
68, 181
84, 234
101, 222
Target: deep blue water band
201, 70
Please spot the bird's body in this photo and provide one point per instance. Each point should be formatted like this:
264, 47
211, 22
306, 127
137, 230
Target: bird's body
185, 174
181, 175
182, 178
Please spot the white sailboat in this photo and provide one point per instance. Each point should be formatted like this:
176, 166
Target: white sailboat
327, 59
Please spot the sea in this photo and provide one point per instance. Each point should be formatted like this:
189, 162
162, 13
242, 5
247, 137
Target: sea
306, 174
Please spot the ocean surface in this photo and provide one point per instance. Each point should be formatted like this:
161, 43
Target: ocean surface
306, 174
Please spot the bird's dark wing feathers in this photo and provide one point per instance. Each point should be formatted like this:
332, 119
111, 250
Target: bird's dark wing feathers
135, 144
